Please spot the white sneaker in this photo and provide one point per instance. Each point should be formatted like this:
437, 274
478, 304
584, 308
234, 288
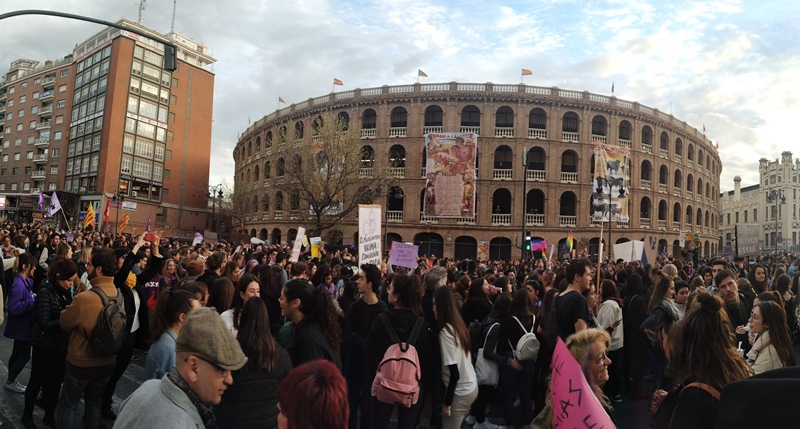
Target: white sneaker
485, 425
470, 420
15, 387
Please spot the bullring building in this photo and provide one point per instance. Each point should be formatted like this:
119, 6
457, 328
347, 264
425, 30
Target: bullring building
673, 168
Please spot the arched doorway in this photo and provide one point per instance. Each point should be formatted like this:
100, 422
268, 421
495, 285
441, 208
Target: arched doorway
500, 249
263, 234
429, 243
391, 238
276, 236
466, 248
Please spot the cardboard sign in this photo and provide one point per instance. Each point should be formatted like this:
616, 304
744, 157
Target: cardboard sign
298, 243
369, 234
574, 403
404, 255
315, 242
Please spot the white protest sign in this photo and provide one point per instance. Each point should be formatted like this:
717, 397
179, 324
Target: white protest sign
369, 234
298, 243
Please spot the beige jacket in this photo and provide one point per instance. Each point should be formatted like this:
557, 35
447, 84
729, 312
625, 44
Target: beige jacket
763, 356
80, 318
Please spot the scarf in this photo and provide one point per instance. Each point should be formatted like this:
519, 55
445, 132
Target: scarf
671, 309
209, 420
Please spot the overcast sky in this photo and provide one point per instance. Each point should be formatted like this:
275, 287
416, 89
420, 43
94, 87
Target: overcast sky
731, 65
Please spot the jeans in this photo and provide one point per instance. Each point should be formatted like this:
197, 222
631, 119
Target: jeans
74, 387
517, 384
406, 417
458, 410
123, 360
20, 355
47, 373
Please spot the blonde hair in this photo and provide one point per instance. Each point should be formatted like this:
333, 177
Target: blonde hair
579, 345
670, 270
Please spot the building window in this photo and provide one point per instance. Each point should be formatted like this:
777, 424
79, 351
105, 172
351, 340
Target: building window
737, 217
16, 156
51, 186
22, 99
60, 104
53, 169
60, 119
755, 215
29, 155
13, 186
32, 125
26, 186
64, 73
21, 113
36, 95
62, 88
55, 153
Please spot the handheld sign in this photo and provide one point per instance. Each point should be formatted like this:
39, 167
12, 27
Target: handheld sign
298, 243
369, 234
403, 255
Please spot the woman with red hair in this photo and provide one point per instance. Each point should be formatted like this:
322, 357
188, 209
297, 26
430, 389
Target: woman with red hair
313, 395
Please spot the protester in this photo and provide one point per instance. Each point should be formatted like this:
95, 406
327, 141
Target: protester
316, 333
172, 309
220, 295
773, 347
610, 318
313, 396
246, 288
516, 376
19, 326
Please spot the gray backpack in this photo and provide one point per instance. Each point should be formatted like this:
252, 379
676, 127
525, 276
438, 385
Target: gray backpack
111, 331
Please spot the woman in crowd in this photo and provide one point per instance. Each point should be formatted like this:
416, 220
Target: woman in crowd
491, 338
782, 287
660, 308
317, 333
707, 275
169, 275
758, 278
681, 297
460, 289
171, 311
609, 317
64, 250
589, 348
634, 313
477, 306
246, 288
536, 290
220, 294
458, 374
270, 295
327, 285
313, 396
516, 377
19, 325
252, 401
231, 271
773, 347
404, 296
49, 340
706, 362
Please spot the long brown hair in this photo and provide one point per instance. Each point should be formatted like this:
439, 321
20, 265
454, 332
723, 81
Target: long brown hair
659, 292
255, 338
708, 353
448, 318
773, 315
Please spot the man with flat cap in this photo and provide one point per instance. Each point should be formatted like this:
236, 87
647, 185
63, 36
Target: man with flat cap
205, 355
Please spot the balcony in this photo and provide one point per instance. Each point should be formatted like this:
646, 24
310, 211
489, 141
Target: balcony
502, 174
398, 132
567, 221
428, 219
46, 111
46, 96
278, 215
663, 153
49, 82
40, 159
626, 143
534, 219
537, 175
2, 119
268, 151
298, 143
644, 222
365, 173
676, 192
265, 216
38, 175
397, 172
569, 177
394, 215
476, 130
647, 148
601, 139
662, 224
535, 133
368, 133
501, 219
568, 136
504, 131
646, 185
294, 214
621, 224
662, 187
465, 221
43, 125
678, 159
431, 129
42, 142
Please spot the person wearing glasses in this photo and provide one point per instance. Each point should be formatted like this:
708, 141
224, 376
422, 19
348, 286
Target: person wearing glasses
205, 355
773, 347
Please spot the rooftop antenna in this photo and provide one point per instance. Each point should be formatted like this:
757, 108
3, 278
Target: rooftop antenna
142, 7
174, 6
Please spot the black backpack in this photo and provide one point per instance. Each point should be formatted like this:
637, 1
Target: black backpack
111, 331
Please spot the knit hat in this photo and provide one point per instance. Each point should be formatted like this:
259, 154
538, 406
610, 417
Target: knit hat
204, 333
195, 268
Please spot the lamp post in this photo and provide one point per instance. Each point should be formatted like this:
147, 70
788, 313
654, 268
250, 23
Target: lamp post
524, 200
118, 199
773, 197
214, 192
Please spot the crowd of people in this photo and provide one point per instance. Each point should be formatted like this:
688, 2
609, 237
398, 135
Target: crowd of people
239, 336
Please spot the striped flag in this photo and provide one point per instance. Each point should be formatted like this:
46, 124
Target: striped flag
124, 223
538, 245
105, 212
337, 82
569, 243
421, 73
281, 100
526, 72
612, 88
89, 219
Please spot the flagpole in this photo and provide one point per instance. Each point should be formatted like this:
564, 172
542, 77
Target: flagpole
66, 221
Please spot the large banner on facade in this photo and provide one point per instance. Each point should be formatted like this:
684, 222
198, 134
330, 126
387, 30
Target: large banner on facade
450, 174
611, 183
747, 237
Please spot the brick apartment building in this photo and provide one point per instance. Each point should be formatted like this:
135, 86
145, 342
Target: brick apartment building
109, 122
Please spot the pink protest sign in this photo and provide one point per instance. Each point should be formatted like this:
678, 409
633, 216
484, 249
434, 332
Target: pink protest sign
403, 255
574, 403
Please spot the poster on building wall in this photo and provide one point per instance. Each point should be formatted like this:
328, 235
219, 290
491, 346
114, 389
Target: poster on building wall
483, 251
450, 174
747, 237
611, 183
369, 234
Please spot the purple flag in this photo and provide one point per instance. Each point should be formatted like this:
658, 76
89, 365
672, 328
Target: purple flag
41, 200
148, 222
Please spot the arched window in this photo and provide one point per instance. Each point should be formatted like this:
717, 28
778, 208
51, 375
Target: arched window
625, 131
399, 117
256, 173
646, 169
344, 120
689, 216
690, 152
569, 161
700, 187
537, 119
537, 159
278, 202
664, 141
662, 210
267, 170
298, 130
258, 145
265, 203
397, 156
676, 214
370, 120
690, 182
501, 201
568, 204
678, 182
663, 175
249, 149
281, 167
434, 116
678, 147
535, 202
644, 208
647, 135
367, 157
294, 200
599, 126
282, 134
317, 125
504, 118
268, 140
255, 204
569, 122
503, 158
470, 117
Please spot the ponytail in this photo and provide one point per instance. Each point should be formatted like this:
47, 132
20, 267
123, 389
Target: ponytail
317, 308
171, 304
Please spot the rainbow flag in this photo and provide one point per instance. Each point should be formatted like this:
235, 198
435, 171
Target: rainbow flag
569, 244
538, 245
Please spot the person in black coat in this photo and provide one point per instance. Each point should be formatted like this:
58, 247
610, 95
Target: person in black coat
634, 313
49, 340
477, 306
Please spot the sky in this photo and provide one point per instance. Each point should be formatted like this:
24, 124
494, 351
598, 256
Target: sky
733, 66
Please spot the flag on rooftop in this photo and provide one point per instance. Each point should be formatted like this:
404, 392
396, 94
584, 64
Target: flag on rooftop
421, 73
612, 88
337, 82
281, 100
526, 72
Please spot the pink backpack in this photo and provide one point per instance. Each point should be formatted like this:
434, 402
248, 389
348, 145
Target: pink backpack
397, 378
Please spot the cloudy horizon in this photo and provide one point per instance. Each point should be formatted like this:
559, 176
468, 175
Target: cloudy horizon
731, 66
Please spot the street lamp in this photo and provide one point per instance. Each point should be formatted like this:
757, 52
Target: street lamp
772, 198
524, 200
214, 192
118, 199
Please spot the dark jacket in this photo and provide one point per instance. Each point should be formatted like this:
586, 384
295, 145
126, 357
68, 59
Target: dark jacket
50, 301
252, 400
208, 277
307, 343
475, 309
120, 281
